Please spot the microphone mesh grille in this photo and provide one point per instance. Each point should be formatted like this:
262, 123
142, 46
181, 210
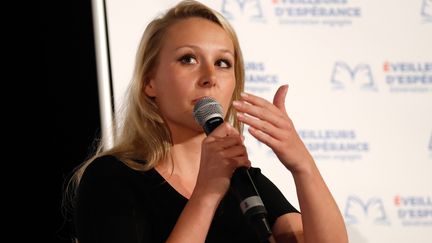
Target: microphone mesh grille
205, 109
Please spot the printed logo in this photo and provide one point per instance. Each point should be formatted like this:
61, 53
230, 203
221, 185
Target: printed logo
334, 144
414, 210
408, 76
426, 10
242, 9
370, 211
329, 12
258, 79
358, 77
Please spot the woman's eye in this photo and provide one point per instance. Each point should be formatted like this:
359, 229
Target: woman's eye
188, 59
223, 63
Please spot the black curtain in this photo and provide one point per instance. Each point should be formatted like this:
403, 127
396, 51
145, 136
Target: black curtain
73, 121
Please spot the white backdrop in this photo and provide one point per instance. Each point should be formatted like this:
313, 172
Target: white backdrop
360, 77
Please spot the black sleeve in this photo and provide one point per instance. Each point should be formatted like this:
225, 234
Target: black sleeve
273, 199
106, 209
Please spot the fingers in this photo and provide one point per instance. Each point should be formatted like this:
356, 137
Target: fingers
256, 106
251, 115
262, 109
268, 122
279, 98
218, 144
230, 149
223, 130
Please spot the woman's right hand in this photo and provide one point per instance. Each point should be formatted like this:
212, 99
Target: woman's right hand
222, 152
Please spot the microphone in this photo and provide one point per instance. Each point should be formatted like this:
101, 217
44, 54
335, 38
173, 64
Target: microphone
208, 113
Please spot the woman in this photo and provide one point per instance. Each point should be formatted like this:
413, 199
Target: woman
164, 180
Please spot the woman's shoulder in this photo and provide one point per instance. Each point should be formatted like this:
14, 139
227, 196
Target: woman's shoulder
109, 166
106, 165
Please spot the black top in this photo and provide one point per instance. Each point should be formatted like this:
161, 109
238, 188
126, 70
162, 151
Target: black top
118, 204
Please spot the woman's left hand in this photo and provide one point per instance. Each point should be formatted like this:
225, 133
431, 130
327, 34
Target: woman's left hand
270, 124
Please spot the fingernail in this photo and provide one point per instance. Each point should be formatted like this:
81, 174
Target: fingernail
243, 94
236, 103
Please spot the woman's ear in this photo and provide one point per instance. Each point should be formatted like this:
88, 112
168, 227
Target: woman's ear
150, 89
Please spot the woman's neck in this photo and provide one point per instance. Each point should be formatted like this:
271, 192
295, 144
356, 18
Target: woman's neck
185, 154
181, 169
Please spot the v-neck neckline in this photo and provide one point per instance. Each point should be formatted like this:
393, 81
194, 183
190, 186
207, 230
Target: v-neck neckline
171, 187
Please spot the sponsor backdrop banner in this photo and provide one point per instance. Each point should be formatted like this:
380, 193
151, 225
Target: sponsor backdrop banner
360, 77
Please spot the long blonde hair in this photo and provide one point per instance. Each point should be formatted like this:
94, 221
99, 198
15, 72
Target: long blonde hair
143, 135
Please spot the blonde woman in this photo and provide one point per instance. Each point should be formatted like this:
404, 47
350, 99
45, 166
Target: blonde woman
165, 180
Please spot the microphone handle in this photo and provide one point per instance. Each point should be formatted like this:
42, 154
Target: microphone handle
211, 124
243, 187
250, 202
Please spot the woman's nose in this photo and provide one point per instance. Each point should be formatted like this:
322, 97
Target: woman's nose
208, 76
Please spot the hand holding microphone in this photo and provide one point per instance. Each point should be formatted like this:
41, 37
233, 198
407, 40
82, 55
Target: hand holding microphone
222, 151
208, 113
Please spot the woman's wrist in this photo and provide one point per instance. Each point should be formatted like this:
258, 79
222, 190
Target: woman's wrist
205, 198
304, 167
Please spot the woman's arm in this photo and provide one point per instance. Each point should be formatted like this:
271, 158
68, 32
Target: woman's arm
222, 152
195, 219
321, 220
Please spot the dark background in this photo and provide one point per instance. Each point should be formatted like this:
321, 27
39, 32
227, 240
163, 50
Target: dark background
73, 120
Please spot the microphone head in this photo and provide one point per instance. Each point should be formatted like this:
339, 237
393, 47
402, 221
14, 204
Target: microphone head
205, 109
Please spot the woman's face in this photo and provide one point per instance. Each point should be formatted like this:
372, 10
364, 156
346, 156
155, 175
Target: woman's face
196, 60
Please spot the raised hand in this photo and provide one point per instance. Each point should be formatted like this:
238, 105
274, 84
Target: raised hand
270, 124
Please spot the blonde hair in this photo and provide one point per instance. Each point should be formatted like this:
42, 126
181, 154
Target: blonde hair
143, 135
